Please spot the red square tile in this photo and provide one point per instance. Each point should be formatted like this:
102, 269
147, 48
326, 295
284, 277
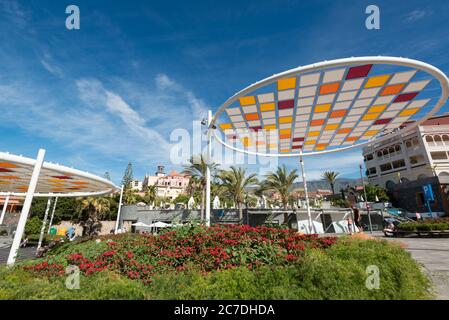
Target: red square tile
405, 97
358, 72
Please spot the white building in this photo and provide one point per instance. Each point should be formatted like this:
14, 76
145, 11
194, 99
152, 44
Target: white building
136, 185
416, 156
168, 185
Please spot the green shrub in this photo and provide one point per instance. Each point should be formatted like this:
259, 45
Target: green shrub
33, 226
338, 272
438, 224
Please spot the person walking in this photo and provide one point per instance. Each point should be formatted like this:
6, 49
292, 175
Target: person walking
357, 218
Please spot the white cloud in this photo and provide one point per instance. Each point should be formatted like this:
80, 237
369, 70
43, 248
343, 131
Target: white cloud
53, 69
416, 15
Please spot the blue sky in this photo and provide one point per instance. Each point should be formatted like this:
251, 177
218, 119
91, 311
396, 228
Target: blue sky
113, 91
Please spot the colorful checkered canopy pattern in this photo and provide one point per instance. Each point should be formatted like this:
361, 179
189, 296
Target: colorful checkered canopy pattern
15, 177
325, 109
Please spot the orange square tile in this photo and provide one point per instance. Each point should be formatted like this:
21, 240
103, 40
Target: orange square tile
329, 88
285, 136
252, 116
393, 89
352, 138
318, 122
344, 130
338, 113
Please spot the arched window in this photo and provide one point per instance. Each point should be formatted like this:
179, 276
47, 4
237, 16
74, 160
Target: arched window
430, 141
445, 139
438, 140
443, 174
397, 148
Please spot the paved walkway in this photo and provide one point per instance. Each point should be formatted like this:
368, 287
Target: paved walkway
433, 255
5, 245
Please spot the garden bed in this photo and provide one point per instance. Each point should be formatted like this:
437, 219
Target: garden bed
438, 227
232, 262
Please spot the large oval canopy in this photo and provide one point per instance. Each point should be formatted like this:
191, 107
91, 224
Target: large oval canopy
330, 106
54, 180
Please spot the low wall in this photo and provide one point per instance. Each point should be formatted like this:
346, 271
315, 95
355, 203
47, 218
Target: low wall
106, 227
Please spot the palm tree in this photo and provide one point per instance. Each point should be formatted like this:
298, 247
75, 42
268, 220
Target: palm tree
281, 182
331, 177
90, 211
197, 170
235, 181
130, 197
150, 194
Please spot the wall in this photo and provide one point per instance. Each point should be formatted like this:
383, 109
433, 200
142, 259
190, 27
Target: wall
106, 227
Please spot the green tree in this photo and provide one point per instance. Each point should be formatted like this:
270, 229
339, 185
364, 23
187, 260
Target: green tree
90, 211
235, 181
281, 182
128, 176
331, 177
372, 191
130, 197
196, 169
150, 194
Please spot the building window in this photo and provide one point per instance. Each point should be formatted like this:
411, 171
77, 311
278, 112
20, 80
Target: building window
438, 140
372, 171
385, 167
379, 154
398, 164
440, 155
419, 158
408, 144
446, 139
429, 140
369, 157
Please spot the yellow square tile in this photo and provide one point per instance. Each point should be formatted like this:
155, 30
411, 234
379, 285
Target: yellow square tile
289, 83
247, 101
267, 107
323, 107
270, 127
225, 126
331, 127
314, 134
408, 112
310, 142
286, 120
377, 109
377, 81
371, 133
285, 131
370, 116
285, 150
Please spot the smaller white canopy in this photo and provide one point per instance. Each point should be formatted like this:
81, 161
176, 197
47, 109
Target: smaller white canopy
140, 224
160, 224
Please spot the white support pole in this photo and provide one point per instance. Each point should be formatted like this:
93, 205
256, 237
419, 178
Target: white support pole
366, 201
44, 224
5, 206
26, 208
209, 161
119, 209
309, 214
52, 215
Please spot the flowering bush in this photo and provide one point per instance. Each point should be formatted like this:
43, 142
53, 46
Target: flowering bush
187, 248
